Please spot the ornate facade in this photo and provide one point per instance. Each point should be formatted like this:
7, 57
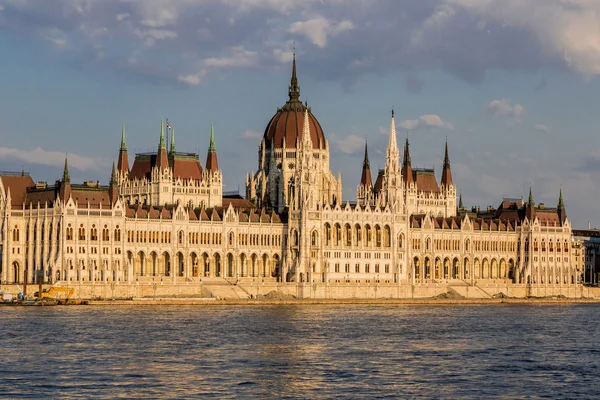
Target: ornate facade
166, 216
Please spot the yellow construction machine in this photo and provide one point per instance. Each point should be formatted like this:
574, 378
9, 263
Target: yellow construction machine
54, 291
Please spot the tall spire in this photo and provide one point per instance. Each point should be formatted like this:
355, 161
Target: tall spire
294, 89
530, 213
123, 142
66, 177
460, 202
65, 184
393, 145
530, 201
406, 165
172, 149
306, 138
211, 158
123, 161
562, 213
162, 161
446, 172
365, 179
113, 188
161, 142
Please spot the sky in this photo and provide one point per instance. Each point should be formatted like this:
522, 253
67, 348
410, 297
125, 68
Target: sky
512, 85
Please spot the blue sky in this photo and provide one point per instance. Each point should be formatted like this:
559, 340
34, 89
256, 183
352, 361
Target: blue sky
512, 84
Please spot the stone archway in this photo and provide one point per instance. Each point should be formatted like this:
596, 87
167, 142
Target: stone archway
16, 272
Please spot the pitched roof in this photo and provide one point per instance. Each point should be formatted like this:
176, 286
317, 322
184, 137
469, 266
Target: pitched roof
425, 179
18, 184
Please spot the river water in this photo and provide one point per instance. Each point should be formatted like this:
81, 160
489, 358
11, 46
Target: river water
313, 351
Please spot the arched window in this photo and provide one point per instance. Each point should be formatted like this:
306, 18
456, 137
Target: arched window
69, 232
105, 234
117, 234
94, 233
314, 239
16, 233
377, 236
401, 241
467, 244
231, 238
387, 237
348, 234
81, 232
180, 237
368, 236
327, 234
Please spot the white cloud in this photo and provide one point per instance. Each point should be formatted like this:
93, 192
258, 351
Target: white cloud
238, 57
348, 144
122, 16
503, 108
250, 134
55, 158
567, 29
58, 43
428, 120
542, 128
283, 56
318, 29
191, 79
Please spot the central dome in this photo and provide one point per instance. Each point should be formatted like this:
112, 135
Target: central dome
285, 128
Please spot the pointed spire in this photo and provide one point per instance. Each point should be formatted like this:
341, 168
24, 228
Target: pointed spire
211, 158
562, 213
123, 161
113, 174
393, 145
65, 184
306, 139
561, 204
172, 149
365, 179
294, 89
123, 142
161, 142
407, 174
446, 172
162, 161
460, 202
66, 177
530, 214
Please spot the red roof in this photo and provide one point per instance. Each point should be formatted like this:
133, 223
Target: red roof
18, 185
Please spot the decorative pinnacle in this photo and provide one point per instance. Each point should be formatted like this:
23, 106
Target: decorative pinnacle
366, 160
66, 177
211, 143
530, 196
161, 142
123, 142
561, 204
294, 89
113, 175
172, 150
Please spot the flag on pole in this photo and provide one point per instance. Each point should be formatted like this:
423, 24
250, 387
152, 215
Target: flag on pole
169, 125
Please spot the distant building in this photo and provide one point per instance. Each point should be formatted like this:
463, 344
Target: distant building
589, 240
167, 216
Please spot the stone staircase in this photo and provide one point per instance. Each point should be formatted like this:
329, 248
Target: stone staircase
220, 288
466, 291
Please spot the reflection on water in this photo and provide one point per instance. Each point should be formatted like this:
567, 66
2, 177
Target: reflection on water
301, 351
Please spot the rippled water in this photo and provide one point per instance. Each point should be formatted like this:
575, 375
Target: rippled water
499, 351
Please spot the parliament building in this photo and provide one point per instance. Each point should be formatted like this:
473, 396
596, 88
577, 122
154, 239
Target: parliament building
165, 220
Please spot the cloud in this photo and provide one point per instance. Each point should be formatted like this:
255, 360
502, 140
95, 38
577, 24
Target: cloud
318, 29
55, 158
340, 40
238, 57
542, 128
250, 134
590, 162
503, 108
192, 79
425, 121
348, 144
